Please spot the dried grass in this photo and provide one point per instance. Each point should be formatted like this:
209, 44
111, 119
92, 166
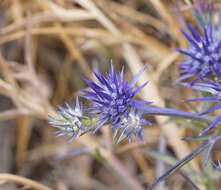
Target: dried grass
79, 32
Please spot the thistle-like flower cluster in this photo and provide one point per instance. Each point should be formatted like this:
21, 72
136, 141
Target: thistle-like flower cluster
112, 103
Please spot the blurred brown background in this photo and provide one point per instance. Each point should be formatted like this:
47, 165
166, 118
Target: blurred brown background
47, 48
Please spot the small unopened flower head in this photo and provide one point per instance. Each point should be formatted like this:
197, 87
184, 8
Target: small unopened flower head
131, 126
217, 166
203, 56
68, 120
112, 96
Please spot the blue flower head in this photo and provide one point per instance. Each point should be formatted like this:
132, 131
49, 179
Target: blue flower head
113, 103
112, 100
68, 120
203, 56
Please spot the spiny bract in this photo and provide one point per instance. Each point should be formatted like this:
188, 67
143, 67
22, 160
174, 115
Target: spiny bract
214, 88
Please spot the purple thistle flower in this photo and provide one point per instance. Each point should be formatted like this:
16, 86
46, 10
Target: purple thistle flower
112, 96
68, 120
203, 56
113, 103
